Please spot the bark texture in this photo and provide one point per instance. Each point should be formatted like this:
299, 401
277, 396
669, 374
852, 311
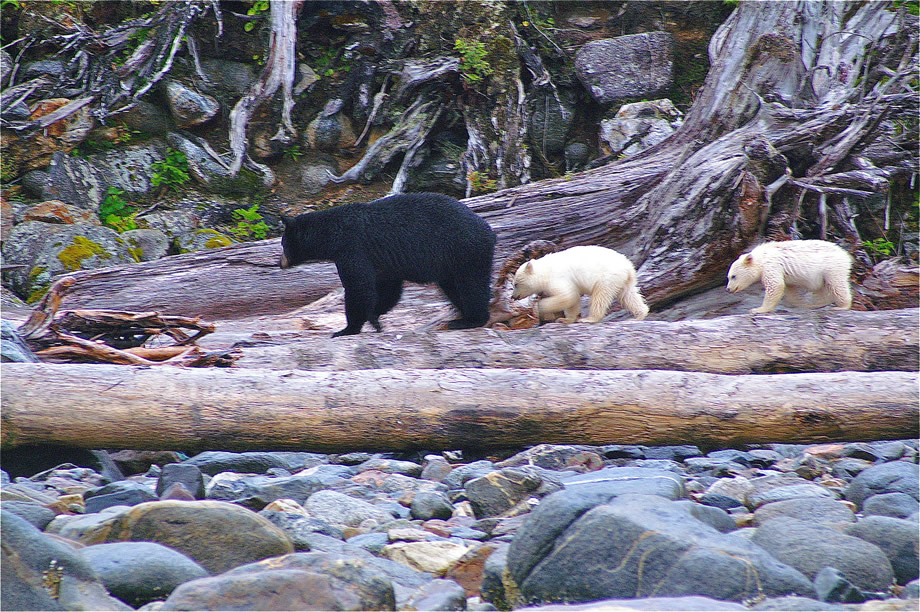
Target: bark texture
827, 341
152, 408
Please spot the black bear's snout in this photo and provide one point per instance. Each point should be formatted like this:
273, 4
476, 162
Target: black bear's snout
284, 262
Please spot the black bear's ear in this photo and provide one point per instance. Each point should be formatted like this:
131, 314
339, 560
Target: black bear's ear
286, 220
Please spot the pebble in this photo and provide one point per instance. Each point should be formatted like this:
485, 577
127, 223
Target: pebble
436, 531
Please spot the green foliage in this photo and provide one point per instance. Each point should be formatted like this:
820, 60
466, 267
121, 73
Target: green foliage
911, 6
135, 38
249, 224
293, 153
480, 184
114, 212
473, 65
172, 171
257, 8
879, 246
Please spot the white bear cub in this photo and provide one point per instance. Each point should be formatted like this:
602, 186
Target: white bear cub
565, 276
795, 267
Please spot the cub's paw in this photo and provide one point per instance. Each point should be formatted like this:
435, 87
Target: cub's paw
761, 310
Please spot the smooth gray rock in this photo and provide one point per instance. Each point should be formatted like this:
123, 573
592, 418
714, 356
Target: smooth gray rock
898, 539
557, 457
462, 473
48, 250
620, 481
140, 572
438, 594
818, 510
714, 517
499, 491
127, 496
147, 244
493, 586
256, 462
44, 573
810, 548
632, 66
892, 477
639, 126
797, 491
339, 509
189, 476
299, 528
895, 505
717, 500
435, 468
14, 348
390, 466
832, 586
189, 107
573, 548
34, 513
431, 504
85, 182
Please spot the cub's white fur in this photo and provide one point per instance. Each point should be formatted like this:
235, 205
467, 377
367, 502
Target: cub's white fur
795, 267
565, 276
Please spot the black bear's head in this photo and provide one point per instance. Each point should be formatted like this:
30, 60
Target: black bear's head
294, 241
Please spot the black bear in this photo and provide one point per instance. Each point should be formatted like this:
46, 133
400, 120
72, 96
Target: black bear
376, 246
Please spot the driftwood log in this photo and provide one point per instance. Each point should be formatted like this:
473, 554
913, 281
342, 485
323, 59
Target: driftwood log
115, 407
806, 341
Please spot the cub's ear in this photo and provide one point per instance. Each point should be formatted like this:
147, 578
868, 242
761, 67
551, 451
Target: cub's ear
528, 267
748, 260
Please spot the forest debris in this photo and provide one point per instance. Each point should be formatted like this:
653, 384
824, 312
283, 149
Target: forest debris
117, 336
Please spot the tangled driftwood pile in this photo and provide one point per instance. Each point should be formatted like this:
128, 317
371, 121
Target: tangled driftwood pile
117, 336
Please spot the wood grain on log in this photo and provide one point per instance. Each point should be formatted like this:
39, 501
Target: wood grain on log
806, 341
105, 406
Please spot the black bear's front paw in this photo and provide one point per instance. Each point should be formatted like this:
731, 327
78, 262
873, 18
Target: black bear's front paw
460, 324
376, 325
348, 331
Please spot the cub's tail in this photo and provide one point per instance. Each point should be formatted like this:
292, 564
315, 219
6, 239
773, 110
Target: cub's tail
632, 300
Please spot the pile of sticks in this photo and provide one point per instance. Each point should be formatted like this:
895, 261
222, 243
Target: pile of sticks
115, 336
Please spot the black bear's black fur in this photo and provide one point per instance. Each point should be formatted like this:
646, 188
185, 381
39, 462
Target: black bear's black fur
376, 246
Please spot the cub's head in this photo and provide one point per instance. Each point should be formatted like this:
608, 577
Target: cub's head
294, 241
743, 273
526, 281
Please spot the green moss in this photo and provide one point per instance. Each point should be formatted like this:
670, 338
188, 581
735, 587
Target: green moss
137, 253
82, 248
35, 272
216, 240
38, 293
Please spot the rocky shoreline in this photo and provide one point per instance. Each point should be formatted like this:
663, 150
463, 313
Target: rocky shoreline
772, 527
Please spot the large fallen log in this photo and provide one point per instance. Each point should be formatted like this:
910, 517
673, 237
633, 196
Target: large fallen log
104, 406
803, 341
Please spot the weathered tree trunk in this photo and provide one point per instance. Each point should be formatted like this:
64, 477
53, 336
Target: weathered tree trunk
154, 408
828, 341
278, 72
232, 282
